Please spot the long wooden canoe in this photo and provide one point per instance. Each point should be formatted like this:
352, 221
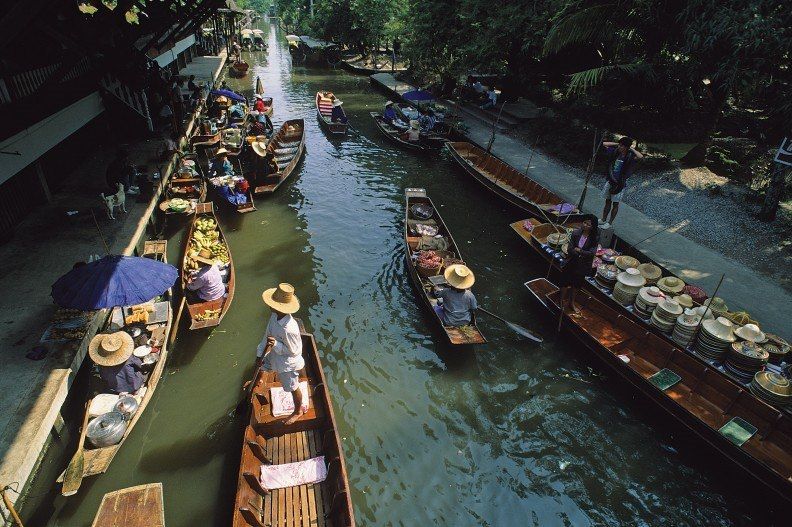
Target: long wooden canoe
183, 188
248, 206
427, 145
464, 335
324, 109
141, 506
702, 401
507, 182
198, 309
89, 460
288, 145
268, 441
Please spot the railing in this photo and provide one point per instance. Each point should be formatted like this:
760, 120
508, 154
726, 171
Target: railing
20, 85
134, 99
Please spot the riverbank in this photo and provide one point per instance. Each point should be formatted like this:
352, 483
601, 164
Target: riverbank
32, 392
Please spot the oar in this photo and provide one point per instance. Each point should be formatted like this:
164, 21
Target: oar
248, 388
177, 320
73, 475
512, 326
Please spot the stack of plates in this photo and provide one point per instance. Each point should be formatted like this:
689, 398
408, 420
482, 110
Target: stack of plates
665, 315
647, 300
628, 283
772, 387
625, 262
685, 328
714, 339
606, 276
745, 359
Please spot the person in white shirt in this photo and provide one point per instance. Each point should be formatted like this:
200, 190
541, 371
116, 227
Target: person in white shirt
281, 349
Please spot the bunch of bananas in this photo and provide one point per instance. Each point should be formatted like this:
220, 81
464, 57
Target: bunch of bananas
208, 314
205, 224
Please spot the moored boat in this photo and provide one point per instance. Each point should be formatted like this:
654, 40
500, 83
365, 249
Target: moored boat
423, 225
735, 423
185, 190
324, 109
312, 441
510, 184
140, 506
94, 455
238, 69
287, 146
425, 145
205, 314
259, 43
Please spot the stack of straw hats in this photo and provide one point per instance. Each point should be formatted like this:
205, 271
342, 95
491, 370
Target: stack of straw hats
715, 337
665, 315
717, 305
777, 347
671, 285
651, 272
773, 388
606, 276
646, 301
684, 300
625, 262
685, 327
751, 333
704, 312
628, 283
745, 359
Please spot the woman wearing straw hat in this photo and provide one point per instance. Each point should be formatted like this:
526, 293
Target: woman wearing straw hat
458, 301
413, 135
281, 349
337, 115
582, 249
220, 165
206, 283
118, 367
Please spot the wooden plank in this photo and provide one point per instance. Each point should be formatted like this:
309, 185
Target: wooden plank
304, 511
309, 489
281, 494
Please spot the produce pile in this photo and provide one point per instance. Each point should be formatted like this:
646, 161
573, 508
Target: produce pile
206, 235
428, 260
208, 314
178, 205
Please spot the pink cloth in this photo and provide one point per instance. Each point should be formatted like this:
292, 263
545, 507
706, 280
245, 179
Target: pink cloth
293, 474
582, 241
283, 402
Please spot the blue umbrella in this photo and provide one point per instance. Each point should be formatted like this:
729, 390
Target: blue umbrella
228, 93
113, 281
418, 96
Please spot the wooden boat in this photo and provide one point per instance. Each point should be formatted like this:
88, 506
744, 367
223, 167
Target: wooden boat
233, 140
507, 182
268, 441
258, 41
238, 69
324, 108
204, 137
188, 188
288, 145
424, 286
211, 313
222, 198
141, 506
247, 39
702, 401
427, 145
89, 460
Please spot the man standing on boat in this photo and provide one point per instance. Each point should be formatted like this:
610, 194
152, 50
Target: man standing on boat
281, 349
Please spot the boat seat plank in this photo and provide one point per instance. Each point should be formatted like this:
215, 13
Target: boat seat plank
140, 506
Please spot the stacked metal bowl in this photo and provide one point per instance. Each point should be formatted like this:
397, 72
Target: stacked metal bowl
777, 347
685, 328
646, 301
628, 283
773, 388
606, 276
556, 240
714, 339
665, 315
744, 359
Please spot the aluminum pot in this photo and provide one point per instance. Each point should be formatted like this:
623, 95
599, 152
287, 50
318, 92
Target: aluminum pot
127, 405
107, 429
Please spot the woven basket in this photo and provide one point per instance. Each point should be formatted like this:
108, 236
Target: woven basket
426, 272
541, 232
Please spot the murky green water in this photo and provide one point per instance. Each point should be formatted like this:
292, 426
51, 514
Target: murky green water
512, 434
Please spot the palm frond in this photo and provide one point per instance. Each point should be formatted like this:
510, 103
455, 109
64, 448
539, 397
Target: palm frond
581, 81
578, 28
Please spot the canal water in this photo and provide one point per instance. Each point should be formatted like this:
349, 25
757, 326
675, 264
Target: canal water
511, 434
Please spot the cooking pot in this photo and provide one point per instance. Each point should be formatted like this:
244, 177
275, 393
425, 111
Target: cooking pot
107, 429
127, 405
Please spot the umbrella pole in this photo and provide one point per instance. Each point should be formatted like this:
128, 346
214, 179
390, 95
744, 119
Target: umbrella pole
107, 249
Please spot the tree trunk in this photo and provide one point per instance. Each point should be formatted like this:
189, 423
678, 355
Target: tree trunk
774, 193
698, 155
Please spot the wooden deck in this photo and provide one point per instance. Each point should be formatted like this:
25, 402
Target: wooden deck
140, 506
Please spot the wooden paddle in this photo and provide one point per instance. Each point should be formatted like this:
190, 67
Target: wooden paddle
175, 328
512, 326
73, 475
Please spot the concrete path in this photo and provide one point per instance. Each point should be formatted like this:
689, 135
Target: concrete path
389, 83
45, 246
742, 288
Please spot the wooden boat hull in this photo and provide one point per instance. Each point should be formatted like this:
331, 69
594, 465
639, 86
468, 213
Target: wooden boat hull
506, 182
238, 69
702, 402
324, 118
141, 506
468, 335
393, 135
223, 304
314, 434
174, 191
290, 137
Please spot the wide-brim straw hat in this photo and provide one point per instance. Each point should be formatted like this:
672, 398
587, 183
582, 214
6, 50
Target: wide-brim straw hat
650, 294
258, 96
670, 306
204, 256
415, 125
671, 284
111, 349
716, 304
459, 276
684, 300
221, 151
752, 333
222, 100
625, 262
650, 271
631, 277
389, 103
721, 328
260, 148
282, 298
338, 102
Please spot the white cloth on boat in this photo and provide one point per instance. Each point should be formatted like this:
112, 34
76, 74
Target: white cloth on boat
287, 475
283, 401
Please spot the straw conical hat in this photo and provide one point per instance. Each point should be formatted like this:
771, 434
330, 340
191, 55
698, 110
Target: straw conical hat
631, 277
752, 333
624, 262
720, 328
684, 300
111, 349
204, 256
650, 271
459, 276
259, 147
221, 151
281, 298
671, 284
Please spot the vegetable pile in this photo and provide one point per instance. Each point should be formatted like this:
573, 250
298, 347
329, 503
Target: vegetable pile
206, 236
428, 260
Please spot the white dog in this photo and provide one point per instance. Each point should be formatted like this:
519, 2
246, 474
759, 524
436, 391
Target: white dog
114, 200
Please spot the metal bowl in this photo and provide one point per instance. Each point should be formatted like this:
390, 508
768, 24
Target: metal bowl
774, 383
